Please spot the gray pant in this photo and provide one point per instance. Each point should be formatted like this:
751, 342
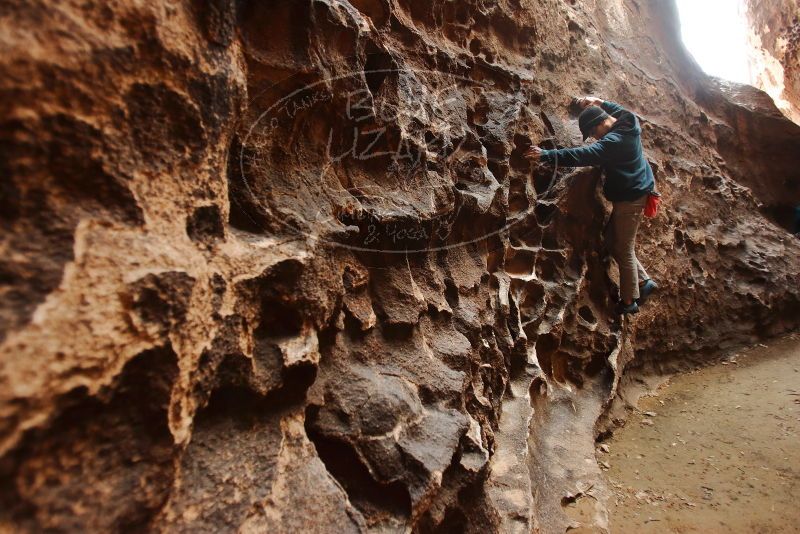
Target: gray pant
621, 240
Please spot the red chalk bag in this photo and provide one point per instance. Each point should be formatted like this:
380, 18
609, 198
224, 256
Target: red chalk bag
651, 207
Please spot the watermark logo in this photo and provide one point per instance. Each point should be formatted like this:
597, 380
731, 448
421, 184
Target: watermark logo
385, 160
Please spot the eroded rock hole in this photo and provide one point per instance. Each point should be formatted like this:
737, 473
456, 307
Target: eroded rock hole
527, 232
550, 239
533, 303
451, 292
244, 211
498, 169
396, 331
545, 268
520, 262
679, 242
269, 30
454, 521
538, 389
542, 182
475, 46
376, 68
546, 346
373, 499
295, 383
597, 363
111, 458
544, 212
586, 314
517, 197
279, 320
164, 120
560, 368
517, 160
568, 499
495, 258
204, 225
236, 402
512, 321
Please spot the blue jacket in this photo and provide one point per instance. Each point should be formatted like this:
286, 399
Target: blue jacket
619, 153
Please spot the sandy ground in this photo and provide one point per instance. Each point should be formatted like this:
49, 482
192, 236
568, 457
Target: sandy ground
716, 450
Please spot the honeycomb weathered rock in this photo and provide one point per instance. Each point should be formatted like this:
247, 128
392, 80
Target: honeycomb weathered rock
281, 266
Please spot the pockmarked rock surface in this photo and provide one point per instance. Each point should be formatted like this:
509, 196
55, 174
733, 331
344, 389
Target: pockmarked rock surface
281, 266
775, 39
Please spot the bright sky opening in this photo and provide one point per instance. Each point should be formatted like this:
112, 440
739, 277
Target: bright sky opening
715, 32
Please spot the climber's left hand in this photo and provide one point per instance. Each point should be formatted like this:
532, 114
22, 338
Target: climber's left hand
534, 153
587, 101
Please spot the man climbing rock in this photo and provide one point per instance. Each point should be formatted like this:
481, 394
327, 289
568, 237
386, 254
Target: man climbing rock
628, 182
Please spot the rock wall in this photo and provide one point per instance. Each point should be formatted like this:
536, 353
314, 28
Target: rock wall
775, 39
281, 266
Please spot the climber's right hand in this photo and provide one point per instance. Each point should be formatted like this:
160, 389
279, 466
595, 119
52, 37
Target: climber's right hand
533, 153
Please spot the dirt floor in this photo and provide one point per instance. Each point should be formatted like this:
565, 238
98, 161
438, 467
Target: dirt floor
716, 450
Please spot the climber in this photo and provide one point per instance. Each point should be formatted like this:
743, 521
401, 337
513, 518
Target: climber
628, 182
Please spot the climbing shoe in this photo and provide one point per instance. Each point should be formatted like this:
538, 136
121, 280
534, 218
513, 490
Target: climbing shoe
623, 309
645, 290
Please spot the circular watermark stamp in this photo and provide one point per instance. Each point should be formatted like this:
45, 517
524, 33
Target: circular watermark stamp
383, 160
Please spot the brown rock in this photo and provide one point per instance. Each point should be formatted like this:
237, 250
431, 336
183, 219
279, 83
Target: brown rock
281, 266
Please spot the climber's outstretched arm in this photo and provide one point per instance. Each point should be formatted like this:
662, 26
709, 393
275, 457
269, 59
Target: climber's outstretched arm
584, 156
